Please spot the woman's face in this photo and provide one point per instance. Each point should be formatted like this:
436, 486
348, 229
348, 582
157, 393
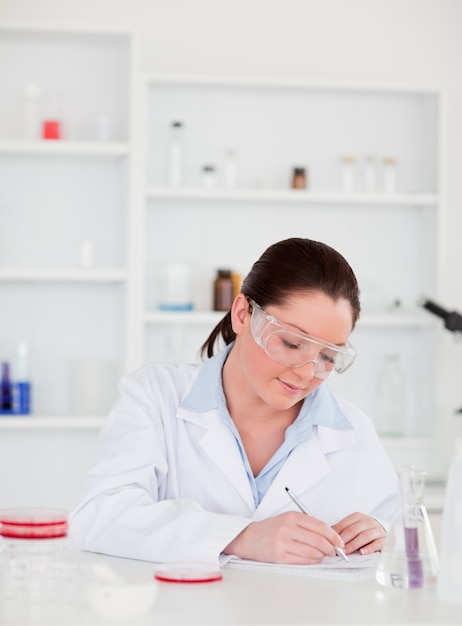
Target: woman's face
313, 313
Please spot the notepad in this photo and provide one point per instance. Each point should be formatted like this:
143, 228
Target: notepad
359, 567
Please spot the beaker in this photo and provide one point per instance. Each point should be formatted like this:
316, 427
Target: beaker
409, 559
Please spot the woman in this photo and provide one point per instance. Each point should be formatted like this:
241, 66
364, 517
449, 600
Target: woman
195, 459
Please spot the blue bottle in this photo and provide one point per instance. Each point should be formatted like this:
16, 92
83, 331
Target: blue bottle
6, 391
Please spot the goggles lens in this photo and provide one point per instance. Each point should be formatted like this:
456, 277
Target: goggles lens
294, 350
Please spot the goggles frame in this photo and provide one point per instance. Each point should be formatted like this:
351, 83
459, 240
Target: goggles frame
267, 327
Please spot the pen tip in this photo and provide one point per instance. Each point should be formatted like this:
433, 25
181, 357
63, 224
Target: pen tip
286, 488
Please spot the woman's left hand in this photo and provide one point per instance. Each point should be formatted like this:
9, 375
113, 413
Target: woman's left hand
361, 532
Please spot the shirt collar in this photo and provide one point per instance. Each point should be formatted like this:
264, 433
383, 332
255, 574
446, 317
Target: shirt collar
320, 408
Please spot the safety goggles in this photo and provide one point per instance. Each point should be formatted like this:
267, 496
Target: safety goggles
297, 349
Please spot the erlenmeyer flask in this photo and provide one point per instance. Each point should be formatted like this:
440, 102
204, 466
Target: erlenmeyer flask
409, 558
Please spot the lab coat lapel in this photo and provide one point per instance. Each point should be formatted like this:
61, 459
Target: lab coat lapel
305, 467
220, 446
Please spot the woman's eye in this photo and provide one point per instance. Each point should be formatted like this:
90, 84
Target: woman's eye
290, 345
326, 358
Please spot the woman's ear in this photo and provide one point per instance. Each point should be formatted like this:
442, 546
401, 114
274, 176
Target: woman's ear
239, 313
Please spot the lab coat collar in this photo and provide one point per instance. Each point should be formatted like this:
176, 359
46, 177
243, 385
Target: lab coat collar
320, 408
306, 466
329, 429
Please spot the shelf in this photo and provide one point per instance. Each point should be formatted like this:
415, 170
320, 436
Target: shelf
183, 317
44, 422
294, 196
64, 148
76, 276
259, 82
396, 320
382, 320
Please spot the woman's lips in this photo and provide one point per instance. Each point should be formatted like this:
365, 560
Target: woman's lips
288, 387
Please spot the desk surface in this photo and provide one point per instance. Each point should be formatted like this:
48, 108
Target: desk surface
245, 598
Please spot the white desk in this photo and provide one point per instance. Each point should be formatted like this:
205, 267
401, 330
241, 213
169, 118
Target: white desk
250, 598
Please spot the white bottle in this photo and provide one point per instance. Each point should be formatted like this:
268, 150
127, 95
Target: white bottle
31, 112
87, 253
449, 587
348, 173
389, 174
230, 169
208, 177
175, 155
391, 397
370, 173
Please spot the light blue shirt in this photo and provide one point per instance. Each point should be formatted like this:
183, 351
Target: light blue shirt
320, 408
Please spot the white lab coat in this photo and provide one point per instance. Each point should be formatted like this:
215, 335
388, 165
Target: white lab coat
171, 484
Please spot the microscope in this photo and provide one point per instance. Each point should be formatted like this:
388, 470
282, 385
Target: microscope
452, 320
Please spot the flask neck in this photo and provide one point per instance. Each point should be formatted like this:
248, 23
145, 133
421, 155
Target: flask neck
412, 486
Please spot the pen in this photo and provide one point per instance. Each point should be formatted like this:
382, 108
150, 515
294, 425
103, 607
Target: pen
303, 509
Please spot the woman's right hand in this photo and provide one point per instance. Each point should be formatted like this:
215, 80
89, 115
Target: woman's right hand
292, 537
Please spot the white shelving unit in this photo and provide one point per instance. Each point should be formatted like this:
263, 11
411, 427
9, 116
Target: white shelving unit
391, 240
57, 194
54, 195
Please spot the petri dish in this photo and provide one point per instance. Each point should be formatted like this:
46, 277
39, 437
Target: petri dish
33, 523
188, 573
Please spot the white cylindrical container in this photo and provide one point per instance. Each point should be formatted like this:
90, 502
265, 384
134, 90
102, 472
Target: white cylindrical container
348, 173
391, 397
31, 112
230, 169
176, 288
449, 586
87, 253
370, 173
102, 130
175, 156
389, 174
92, 385
208, 177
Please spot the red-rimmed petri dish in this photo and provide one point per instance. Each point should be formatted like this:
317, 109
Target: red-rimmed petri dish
33, 523
187, 573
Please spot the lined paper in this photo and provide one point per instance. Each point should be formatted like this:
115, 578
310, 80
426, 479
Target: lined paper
358, 567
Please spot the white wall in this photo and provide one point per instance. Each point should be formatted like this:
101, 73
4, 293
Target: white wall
364, 41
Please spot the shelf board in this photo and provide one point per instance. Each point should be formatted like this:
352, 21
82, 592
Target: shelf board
64, 148
54, 422
294, 196
396, 320
378, 320
68, 276
283, 82
183, 317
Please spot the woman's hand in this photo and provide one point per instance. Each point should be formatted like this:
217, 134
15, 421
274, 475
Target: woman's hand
291, 537
361, 532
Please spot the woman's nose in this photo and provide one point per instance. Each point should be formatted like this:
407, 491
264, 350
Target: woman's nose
307, 369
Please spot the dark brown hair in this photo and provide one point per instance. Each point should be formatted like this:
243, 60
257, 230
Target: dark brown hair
289, 267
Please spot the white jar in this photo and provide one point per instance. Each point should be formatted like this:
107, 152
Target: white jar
389, 167
175, 155
230, 169
348, 173
208, 177
31, 112
370, 173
